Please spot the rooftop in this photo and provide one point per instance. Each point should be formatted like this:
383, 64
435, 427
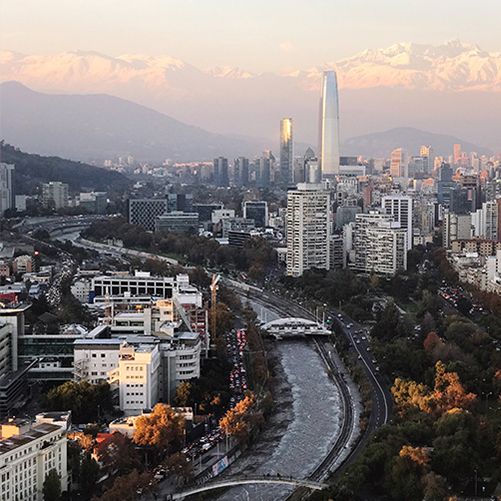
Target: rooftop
39, 431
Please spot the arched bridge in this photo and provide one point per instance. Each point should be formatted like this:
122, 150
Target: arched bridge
254, 479
294, 326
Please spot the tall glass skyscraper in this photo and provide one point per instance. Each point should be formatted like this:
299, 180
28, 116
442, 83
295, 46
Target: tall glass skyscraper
286, 151
329, 126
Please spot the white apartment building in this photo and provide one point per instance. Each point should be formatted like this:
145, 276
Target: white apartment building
308, 228
359, 237
27, 454
137, 377
400, 207
386, 249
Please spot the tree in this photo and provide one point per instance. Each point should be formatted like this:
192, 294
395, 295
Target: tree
177, 464
128, 487
434, 487
89, 475
235, 421
118, 454
449, 392
86, 401
52, 486
182, 394
160, 429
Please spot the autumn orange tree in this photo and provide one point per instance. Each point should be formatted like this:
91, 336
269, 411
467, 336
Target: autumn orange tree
448, 394
161, 429
236, 421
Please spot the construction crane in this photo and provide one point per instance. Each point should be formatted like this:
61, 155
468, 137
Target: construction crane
214, 288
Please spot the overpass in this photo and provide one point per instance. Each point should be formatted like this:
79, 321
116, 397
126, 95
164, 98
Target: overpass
248, 479
295, 326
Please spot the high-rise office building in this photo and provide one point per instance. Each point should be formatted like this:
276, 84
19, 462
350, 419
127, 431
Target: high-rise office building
266, 163
400, 207
241, 170
308, 229
221, 177
286, 151
399, 163
257, 210
428, 153
329, 126
144, 211
5, 187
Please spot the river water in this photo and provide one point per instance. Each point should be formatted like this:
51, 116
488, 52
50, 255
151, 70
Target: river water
307, 407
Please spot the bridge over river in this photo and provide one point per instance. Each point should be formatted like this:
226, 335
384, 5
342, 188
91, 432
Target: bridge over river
294, 326
247, 479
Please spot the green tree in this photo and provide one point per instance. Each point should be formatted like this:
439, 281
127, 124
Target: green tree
52, 486
86, 401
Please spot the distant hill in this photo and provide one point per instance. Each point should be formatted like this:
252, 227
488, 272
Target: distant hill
381, 144
32, 170
98, 127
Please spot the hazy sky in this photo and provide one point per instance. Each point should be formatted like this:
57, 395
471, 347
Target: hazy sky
257, 35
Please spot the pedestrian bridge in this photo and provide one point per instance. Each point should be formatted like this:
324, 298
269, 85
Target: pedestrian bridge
294, 326
248, 479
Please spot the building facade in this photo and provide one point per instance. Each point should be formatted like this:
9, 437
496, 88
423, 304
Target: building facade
27, 454
286, 151
308, 229
329, 126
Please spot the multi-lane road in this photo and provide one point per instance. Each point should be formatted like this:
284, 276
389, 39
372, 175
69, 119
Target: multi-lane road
359, 339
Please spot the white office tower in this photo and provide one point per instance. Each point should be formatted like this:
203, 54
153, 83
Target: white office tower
286, 151
308, 228
400, 207
329, 126
5, 187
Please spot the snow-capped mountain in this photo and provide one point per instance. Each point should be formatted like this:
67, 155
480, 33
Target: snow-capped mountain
452, 66
455, 85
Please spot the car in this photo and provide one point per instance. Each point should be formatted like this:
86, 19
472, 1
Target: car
368, 348
339, 315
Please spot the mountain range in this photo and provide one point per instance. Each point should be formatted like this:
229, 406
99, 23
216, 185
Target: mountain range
453, 88
97, 127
